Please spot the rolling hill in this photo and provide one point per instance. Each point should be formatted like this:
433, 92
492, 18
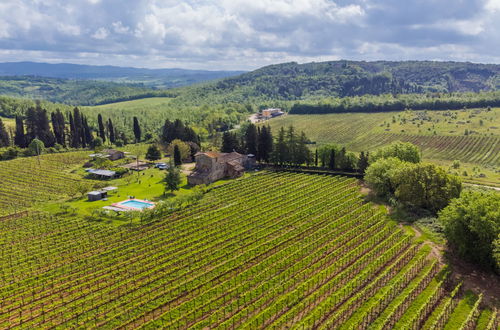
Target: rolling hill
152, 78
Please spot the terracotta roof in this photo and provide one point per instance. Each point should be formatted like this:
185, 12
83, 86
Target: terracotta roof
211, 154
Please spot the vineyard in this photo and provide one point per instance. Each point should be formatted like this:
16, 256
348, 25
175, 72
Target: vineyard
484, 150
25, 181
272, 250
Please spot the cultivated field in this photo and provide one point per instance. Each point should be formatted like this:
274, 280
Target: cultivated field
439, 134
271, 250
25, 181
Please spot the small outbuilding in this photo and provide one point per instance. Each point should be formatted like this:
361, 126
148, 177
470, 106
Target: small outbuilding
97, 195
101, 174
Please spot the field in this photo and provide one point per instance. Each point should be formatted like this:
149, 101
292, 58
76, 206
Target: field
271, 250
26, 182
439, 134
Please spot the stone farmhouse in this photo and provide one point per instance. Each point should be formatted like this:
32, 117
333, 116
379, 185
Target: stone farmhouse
212, 166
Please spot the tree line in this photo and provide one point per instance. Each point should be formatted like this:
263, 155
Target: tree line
388, 102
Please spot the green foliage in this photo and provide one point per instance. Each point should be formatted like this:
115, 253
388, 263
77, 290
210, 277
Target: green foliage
36, 147
426, 186
172, 178
153, 153
404, 151
472, 227
183, 148
380, 176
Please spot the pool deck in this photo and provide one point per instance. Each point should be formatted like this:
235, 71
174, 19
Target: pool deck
131, 208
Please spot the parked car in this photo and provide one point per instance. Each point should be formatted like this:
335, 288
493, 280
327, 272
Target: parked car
161, 166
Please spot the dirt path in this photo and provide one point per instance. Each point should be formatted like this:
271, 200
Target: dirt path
483, 186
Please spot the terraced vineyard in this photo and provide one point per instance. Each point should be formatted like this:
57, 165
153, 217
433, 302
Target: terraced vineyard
24, 181
271, 250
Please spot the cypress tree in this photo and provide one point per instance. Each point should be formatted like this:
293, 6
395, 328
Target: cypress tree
102, 131
87, 132
137, 130
229, 142
20, 137
111, 130
31, 124
280, 154
177, 156
179, 130
251, 139
167, 132
43, 128
316, 158
363, 162
331, 164
58, 126
74, 141
77, 132
4, 136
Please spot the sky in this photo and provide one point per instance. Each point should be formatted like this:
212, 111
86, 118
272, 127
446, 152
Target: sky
246, 34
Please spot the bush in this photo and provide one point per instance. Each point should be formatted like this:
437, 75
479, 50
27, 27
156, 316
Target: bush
472, 227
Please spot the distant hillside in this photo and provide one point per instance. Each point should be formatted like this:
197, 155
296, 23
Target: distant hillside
156, 78
292, 81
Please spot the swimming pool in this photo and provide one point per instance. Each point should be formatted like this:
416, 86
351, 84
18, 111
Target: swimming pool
135, 204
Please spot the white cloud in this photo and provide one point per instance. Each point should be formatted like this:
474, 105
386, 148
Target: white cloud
248, 33
100, 34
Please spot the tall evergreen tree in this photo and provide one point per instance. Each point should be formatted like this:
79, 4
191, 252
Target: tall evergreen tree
74, 142
229, 142
292, 146
363, 162
251, 139
102, 130
137, 130
4, 135
58, 126
87, 132
20, 137
167, 132
179, 130
31, 125
177, 156
43, 130
331, 163
111, 130
264, 144
281, 150
316, 158
77, 137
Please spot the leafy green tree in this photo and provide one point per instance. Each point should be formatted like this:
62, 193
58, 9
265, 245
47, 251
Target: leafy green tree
177, 156
97, 143
380, 176
405, 151
472, 227
426, 186
153, 153
172, 178
36, 147
4, 136
184, 149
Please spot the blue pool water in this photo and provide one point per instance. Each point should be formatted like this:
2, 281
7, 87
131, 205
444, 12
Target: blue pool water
136, 204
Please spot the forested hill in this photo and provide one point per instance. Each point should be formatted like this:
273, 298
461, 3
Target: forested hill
154, 78
292, 81
74, 92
